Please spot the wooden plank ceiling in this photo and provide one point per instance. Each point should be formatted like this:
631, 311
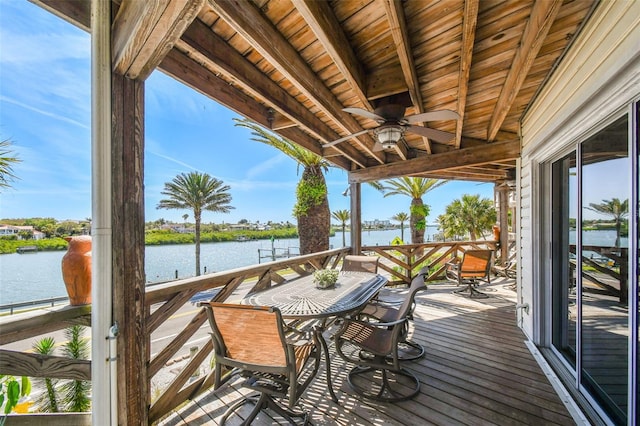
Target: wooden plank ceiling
294, 65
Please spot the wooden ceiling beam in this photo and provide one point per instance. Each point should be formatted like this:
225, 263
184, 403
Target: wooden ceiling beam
462, 174
398, 27
74, 11
384, 82
400, 33
184, 69
213, 50
323, 23
542, 16
470, 20
145, 31
245, 18
489, 153
281, 121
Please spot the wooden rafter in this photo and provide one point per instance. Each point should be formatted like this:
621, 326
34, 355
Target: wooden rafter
538, 25
490, 153
398, 24
470, 20
210, 48
193, 74
322, 21
245, 18
145, 31
478, 54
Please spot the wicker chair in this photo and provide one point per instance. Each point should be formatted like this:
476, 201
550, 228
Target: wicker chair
250, 341
374, 348
360, 263
475, 266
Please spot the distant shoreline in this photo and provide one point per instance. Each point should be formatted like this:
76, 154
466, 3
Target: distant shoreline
158, 237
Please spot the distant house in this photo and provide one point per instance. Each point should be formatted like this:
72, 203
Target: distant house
6, 230
376, 223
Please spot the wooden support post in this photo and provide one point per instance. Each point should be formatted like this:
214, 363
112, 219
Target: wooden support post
356, 218
503, 201
128, 250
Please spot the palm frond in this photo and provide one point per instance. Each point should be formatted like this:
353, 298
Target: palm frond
302, 156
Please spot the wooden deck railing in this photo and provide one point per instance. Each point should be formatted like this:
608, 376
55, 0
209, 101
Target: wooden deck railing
164, 300
403, 262
35, 323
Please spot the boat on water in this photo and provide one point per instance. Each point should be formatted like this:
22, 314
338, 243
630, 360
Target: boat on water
27, 249
242, 238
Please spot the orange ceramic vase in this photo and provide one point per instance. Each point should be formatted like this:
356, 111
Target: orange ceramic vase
76, 270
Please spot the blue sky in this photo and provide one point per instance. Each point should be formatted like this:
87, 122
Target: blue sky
45, 111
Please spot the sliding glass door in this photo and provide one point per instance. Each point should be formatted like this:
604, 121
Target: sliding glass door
591, 189
605, 176
564, 314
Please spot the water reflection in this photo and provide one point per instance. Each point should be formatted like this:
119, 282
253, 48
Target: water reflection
604, 286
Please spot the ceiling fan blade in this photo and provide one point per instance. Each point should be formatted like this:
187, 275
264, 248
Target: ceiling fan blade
364, 113
436, 135
337, 141
441, 115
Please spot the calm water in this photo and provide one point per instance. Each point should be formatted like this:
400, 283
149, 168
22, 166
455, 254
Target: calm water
25, 277
33, 276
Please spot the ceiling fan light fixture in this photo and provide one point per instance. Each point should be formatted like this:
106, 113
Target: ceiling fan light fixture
388, 136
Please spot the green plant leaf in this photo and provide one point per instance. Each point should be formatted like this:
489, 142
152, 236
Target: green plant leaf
26, 386
13, 395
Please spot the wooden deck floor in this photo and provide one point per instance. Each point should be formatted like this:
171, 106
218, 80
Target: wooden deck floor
477, 371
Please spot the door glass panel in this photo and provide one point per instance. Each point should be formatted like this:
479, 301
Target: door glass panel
564, 311
605, 173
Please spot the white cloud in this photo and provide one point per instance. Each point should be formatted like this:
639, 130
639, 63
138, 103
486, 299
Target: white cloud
44, 112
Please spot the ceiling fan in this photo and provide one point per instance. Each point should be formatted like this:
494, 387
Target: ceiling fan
393, 124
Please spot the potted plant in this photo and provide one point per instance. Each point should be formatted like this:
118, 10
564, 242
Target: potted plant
325, 278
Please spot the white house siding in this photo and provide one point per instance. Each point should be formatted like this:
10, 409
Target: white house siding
525, 259
598, 76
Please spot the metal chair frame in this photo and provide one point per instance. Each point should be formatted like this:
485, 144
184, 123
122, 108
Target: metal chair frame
374, 348
250, 341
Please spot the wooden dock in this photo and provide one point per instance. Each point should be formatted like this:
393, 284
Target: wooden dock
477, 371
27, 249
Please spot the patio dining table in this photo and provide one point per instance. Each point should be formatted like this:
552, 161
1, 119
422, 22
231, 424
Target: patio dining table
300, 299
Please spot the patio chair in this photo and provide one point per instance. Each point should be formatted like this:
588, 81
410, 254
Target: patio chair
250, 341
507, 271
475, 266
384, 311
374, 348
360, 263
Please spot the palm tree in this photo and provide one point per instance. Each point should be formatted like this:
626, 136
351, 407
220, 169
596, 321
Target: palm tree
401, 217
468, 215
198, 192
415, 188
312, 206
342, 216
615, 208
7, 161
47, 401
76, 394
